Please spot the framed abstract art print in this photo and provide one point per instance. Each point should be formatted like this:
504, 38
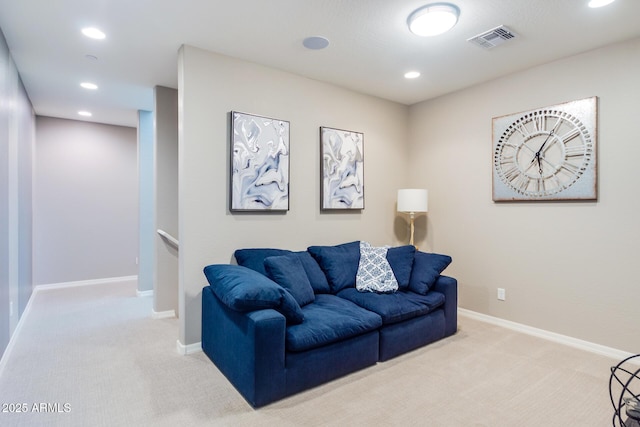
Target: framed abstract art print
342, 169
259, 163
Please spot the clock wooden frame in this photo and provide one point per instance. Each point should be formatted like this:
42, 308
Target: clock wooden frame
548, 153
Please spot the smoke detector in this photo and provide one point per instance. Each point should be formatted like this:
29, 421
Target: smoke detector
494, 37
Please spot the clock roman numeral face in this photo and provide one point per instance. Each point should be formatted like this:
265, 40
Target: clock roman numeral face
542, 153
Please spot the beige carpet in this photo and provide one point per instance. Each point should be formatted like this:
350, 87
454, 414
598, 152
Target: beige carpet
94, 354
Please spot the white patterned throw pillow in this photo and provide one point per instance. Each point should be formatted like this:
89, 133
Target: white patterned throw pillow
374, 272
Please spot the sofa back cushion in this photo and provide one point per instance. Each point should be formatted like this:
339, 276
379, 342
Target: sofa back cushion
339, 263
315, 274
401, 261
253, 258
243, 289
426, 269
288, 272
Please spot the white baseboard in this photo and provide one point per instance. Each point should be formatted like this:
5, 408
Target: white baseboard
16, 332
144, 293
188, 349
84, 283
163, 314
551, 336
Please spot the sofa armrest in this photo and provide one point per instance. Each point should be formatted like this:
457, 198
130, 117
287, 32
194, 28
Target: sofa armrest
248, 348
449, 287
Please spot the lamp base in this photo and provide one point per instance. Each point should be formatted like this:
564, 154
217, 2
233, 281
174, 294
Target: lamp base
411, 241
411, 217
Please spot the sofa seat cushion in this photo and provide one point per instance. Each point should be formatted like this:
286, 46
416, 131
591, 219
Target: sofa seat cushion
394, 307
329, 319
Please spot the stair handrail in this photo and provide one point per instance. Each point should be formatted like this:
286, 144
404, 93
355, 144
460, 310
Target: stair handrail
169, 238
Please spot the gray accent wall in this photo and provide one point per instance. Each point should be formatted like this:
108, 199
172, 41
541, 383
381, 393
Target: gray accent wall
16, 149
85, 216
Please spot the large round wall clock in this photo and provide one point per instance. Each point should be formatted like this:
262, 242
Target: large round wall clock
546, 154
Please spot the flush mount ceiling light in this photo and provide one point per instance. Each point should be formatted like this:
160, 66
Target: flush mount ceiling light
600, 3
93, 33
85, 113
411, 74
433, 19
90, 86
315, 42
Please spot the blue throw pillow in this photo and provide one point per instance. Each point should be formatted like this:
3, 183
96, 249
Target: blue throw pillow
426, 269
339, 263
288, 272
401, 262
254, 258
242, 289
316, 277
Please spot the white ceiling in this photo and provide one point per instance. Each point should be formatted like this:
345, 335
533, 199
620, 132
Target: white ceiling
370, 45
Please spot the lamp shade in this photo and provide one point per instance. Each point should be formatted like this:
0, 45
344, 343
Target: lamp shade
412, 200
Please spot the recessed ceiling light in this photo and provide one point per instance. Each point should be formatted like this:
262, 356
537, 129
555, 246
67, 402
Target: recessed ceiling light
412, 75
433, 19
87, 85
84, 113
315, 42
600, 3
93, 33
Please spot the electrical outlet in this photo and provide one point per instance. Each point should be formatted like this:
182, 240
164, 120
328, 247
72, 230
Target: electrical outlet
502, 295
137, 261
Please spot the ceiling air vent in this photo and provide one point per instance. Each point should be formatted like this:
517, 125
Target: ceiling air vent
494, 37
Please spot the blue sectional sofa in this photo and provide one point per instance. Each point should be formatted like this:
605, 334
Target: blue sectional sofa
281, 322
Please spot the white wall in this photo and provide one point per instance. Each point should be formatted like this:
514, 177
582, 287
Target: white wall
85, 223
567, 267
210, 86
166, 198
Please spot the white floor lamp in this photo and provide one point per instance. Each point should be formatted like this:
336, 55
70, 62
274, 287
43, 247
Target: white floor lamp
412, 201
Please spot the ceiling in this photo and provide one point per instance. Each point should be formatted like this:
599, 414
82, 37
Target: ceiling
370, 45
